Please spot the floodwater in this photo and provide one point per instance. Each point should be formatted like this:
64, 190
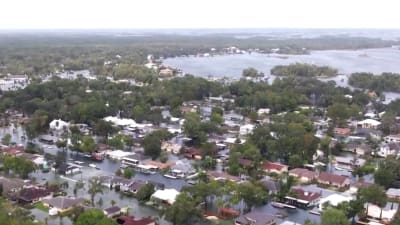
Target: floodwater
346, 61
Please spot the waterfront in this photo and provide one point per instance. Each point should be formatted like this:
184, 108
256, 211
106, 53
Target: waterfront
346, 61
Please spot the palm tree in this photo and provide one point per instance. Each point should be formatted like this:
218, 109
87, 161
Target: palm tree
95, 187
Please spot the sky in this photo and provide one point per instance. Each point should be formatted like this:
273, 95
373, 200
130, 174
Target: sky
166, 14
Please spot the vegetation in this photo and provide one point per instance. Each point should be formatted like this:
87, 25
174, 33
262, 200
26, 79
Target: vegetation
122, 56
145, 192
94, 217
380, 83
333, 216
251, 72
304, 70
18, 165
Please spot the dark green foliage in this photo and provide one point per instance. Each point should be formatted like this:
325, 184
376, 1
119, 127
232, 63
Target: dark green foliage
380, 83
304, 70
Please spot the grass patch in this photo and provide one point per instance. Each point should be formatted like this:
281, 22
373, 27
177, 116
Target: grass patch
223, 222
39, 205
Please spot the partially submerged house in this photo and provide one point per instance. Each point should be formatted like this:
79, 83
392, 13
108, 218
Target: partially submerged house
62, 204
255, 218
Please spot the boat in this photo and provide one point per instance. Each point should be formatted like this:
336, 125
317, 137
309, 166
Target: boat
170, 176
278, 205
281, 205
315, 212
92, 165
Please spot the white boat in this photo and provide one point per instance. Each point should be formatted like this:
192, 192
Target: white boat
170, 176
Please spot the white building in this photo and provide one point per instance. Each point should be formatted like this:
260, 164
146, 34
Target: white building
58, 125
165, 196
246, 129
392, 138
369, 123
333, 200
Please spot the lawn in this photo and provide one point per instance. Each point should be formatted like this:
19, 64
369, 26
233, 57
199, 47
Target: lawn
39, 205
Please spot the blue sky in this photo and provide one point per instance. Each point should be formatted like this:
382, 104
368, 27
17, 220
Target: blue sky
83, 14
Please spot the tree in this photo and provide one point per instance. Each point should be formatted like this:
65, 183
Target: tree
94, 217
332, 216
129, 173
217, 118
145, 192
352, 208
183, 211
21, 166
251, 72
374, 194
87, 144
95, 187
6, 139
103, 128
61, 144
252, 194
152, 145
192, 127
116, 141
152, 142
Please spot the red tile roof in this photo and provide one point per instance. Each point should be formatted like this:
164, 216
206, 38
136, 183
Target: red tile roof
301, 172
131, 220
306, 195
245, 162
273, 166
332, 178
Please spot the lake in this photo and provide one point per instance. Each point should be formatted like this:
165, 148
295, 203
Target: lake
346, 61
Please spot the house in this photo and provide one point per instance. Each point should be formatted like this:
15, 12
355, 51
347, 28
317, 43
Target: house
245, 163
68, 169
194, 153
246, 129
171, 147
183, 167
215, 175
271, 167
334, 180
303, 175
255, 218
387, 149
33, 194
11, 185
47, 139
343, 132
272, 186
302, 198
392, 138
348, 163
369, 123
166, 72
118, 154
58, 125
112, 211
135, 186
383, 215
263, 111
62, 204
393, 193
332, 200
166, 196
354, 187
359, 149
287, 222
131, 220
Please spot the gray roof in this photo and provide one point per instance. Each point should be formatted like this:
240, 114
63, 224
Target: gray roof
255, 218
112, 210
63, 202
